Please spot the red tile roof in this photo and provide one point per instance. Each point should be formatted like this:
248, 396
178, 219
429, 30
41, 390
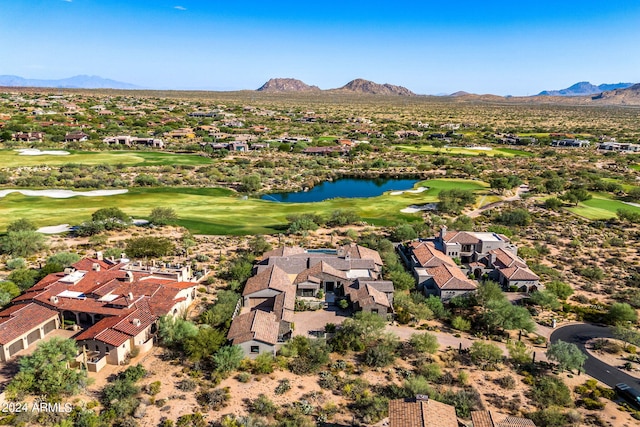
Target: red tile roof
273, 277
421, 414
450, 277
21, 319
256, 325
428, 256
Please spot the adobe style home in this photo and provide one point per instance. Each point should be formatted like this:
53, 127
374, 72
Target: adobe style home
425, 412
116, 303
480, 255
323, 276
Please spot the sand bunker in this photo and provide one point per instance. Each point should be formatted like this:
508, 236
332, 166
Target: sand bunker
419, 208
54, 229
140, 222
36, 152
63, 194
417, 190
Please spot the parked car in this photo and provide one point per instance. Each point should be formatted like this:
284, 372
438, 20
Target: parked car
629, 394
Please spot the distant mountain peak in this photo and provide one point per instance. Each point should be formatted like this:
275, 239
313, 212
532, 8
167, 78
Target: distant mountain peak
584, 89
286, 85
372, 88
77, 82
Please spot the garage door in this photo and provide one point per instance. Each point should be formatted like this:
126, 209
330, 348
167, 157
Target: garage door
50, 326
15, 347
33, 337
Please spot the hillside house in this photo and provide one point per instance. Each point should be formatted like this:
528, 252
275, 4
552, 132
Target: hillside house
77, 136
28, 136
130, 141
287, 273
480, 255
115, 302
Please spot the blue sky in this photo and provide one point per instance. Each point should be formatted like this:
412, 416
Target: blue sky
431, 47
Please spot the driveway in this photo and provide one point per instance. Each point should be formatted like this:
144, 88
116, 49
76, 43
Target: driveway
579, 334
308, 322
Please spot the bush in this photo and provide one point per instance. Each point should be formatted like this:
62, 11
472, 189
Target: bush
283, 387
507, 382
153, 247
262, 405
263, 364
214, 399
485, 355
461, 324
424, 343
550, 391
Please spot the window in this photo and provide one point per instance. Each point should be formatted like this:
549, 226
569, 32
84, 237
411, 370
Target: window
329, 286
255, 349
374, 310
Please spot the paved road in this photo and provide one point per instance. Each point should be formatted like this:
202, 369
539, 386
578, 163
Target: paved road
579, 335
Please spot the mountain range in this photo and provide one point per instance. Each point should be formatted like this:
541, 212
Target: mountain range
579, 93
75, 82
359, 86
585, 88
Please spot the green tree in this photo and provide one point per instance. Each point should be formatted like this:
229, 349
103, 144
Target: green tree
545, 299
203, 344
550, 391
23, 278
46, 371
454, 200
21, 224
515, 217
621, 312
220, 313
342, 217
553, 203
163, 216
567, 355
402, 280
227, 359
65, 259
461, 324
174, 331
149, 246
403, 233
250, 183
519, 353
560, 289
8, 291
22, 243
358, 332
424, 343
576, 195
382, 352
485, 355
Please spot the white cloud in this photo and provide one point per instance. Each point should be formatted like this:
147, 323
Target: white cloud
180, 7
68, 1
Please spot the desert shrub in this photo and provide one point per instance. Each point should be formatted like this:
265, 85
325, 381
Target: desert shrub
262, 405
461, 324
549, 391
507, 382
215, 399
283, 386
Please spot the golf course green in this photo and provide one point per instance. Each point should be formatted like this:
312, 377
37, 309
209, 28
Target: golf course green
222, 211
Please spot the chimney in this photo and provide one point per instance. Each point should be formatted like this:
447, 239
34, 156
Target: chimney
54, 299
99, 256
129, 276
443, 232
95, 266
130, 296
136, 322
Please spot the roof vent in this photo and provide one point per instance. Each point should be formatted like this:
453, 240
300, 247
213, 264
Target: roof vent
422, 397
136, 322
69, 270
130, 276
95, 266
130, 296
54, 299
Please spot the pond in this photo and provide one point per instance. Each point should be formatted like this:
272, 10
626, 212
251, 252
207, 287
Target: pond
346, 188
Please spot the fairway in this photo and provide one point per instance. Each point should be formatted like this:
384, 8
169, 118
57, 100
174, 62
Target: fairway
11, 158
600, 207
464, 151
222, 211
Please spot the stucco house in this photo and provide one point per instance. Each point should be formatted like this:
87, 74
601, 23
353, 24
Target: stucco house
22, 325
255, 332
116, 305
